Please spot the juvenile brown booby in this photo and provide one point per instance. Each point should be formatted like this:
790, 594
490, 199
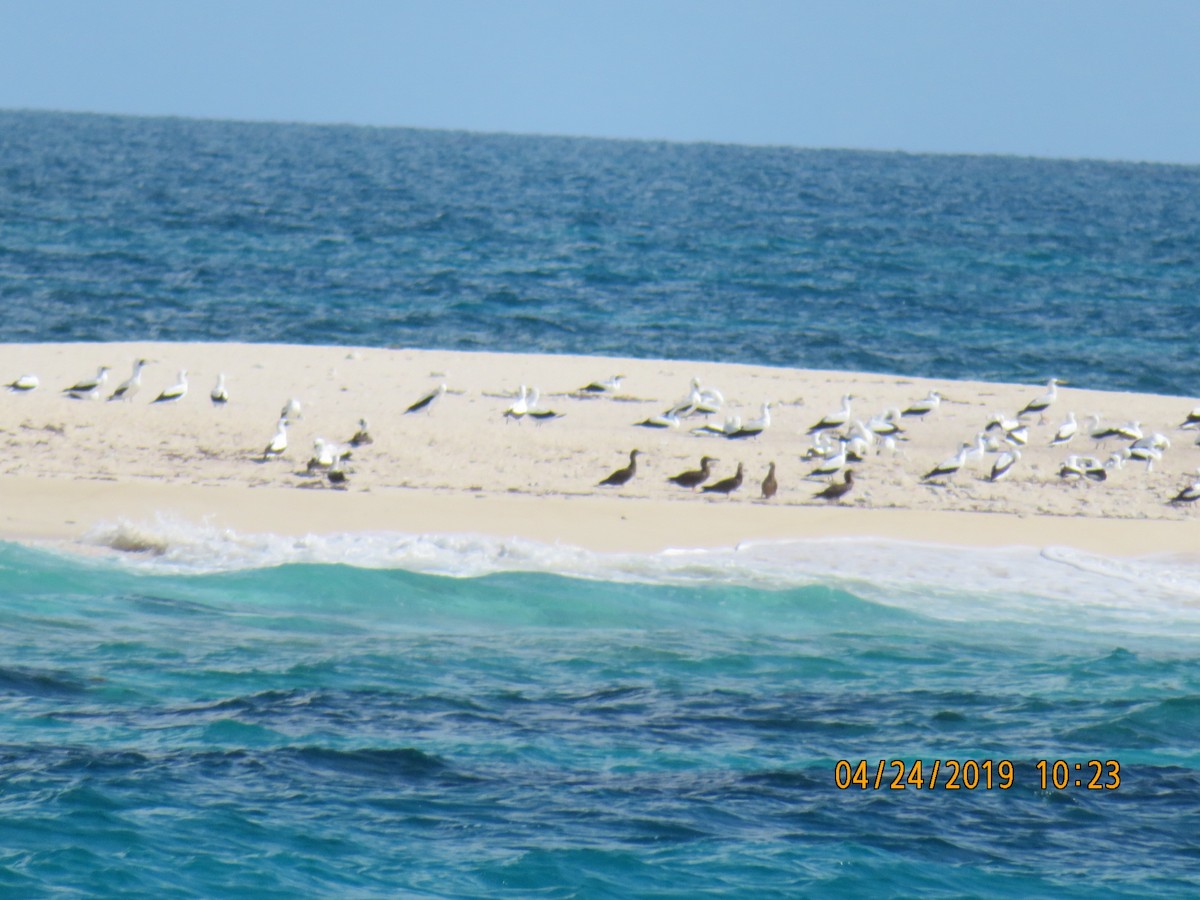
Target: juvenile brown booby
769, 484
695, 477
837, 490
727, 485
621, 476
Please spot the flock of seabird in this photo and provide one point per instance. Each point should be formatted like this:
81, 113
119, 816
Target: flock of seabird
838, 438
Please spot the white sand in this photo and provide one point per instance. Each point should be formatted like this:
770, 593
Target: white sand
462, 467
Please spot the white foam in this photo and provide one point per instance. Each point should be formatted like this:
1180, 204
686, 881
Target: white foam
885, 570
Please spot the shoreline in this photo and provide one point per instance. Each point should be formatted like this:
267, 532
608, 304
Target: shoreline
69, 511
462, 467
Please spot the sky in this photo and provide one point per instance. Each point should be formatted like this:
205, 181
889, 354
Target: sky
1104, 79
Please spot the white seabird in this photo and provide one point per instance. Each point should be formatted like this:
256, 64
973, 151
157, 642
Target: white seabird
219, 393
23, 384
1088, 467
835, 419
731, 425
520, 407
924, 407
607, 386
177, 391
88, 387
948, 468
754, 427
337, 475
536, 411
278, 443
290, 411
1066, 431
698, 402
131, 385
1189, 494
428, 400
1192, 420
832, 464
1004, 464
1039, 405
668, 419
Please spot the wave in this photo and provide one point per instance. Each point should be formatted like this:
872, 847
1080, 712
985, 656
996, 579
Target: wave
888, 571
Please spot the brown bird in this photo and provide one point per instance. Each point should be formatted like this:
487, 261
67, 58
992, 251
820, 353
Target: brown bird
769, 485
837, 491
695, 477
621, 476
726, 486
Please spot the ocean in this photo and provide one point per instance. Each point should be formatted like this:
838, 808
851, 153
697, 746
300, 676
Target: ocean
383, 715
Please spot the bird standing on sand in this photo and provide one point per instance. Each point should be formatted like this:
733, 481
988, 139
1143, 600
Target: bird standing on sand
727, 485
607, 386
769, 484
1192, 420
278, 443
1039, 405
693, 478
1066, 431
177, 391
290, 411
924, 407
219, 394
23, 384
88, 388
837, 490
621, 476
948, 468
362, 437
1189, 494
520, 407
337, 475
130, 386
669, 419
1004, 464
428, 400
834, 419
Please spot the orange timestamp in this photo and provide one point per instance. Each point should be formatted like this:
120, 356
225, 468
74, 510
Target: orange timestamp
972, 774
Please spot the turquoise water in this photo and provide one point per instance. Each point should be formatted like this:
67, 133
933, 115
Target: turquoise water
449, 715
300, 728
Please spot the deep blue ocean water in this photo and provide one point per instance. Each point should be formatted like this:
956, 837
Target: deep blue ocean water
994, 268
392, 715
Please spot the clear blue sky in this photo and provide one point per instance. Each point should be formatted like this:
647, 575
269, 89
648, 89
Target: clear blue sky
1109, 79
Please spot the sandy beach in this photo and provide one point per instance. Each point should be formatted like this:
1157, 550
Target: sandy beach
73, 465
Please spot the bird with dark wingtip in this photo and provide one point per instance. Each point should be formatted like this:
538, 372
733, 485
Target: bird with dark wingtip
693, 478
726, 486
837, 491
622, 475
